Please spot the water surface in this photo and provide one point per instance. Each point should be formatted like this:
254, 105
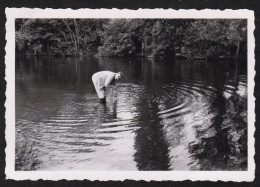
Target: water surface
163, 115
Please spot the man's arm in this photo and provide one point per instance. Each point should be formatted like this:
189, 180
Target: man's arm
108, 81
101, 87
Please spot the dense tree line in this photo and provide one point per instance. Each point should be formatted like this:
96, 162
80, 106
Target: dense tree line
132, 37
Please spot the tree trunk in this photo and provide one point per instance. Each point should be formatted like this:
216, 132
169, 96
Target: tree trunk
63, 33
142, 47
77, 35
72, 36
238, 47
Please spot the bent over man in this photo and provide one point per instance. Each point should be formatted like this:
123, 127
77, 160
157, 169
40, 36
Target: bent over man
102, 80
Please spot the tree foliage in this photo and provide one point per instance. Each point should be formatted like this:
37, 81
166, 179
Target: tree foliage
132, 37
117, 39
59, 36
214, 37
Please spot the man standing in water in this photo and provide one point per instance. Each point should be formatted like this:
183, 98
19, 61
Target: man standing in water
102, 80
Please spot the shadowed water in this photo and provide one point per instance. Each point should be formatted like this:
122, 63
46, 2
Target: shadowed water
182, 115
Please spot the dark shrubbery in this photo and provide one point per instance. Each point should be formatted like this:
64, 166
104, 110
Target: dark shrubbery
208, 38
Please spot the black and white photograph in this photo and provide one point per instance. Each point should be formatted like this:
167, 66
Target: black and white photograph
131, 94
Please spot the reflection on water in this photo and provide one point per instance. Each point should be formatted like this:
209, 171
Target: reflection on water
180, 115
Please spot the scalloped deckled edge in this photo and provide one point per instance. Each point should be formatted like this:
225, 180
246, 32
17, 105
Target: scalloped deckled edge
238, 176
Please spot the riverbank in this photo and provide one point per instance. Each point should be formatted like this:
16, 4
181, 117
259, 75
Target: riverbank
177, 56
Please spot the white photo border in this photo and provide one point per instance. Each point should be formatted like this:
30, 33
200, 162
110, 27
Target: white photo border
14, 13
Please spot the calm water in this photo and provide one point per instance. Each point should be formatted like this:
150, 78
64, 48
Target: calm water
161, 116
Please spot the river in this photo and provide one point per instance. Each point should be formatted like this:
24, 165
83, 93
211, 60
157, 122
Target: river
163, 115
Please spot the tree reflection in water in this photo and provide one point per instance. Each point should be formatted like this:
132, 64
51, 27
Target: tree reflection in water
150, 144
227, 148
